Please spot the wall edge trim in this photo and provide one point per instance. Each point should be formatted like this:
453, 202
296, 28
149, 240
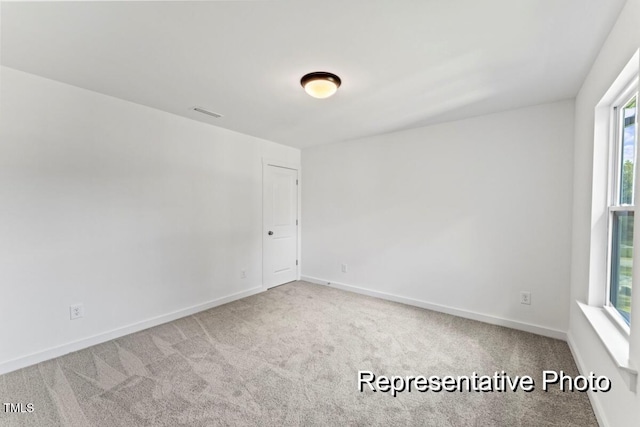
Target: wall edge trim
70, 347
595, 403
493, 320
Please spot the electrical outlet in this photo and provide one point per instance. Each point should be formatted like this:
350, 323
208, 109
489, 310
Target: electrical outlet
344, 268
76, 311
243, 274
525, 297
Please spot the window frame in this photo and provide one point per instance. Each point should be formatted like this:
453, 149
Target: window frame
615, 342
616, 132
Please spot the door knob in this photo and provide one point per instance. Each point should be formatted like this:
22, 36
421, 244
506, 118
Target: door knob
270, 233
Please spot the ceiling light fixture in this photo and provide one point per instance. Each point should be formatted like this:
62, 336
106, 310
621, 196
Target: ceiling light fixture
320, 84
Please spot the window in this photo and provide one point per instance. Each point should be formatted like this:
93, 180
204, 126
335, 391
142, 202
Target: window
611, 248
621, 203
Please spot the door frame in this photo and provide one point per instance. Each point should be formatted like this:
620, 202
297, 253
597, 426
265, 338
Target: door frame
266, 162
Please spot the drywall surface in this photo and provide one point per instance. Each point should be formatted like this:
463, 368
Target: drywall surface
134, 212
463, 215
619, 407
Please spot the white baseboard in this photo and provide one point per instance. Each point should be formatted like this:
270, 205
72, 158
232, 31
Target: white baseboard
522, 326
50, 353
595, 403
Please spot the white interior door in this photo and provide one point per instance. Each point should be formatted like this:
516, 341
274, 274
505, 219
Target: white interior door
280, 230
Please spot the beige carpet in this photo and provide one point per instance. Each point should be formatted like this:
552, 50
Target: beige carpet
290, 356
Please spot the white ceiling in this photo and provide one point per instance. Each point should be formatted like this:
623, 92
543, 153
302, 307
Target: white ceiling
403, 63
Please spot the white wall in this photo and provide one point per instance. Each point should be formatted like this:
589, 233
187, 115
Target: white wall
134, 212
463, 215
619, 407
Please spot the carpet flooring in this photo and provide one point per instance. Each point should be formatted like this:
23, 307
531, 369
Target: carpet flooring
291, 356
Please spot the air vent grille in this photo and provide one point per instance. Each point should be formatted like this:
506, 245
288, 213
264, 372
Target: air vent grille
207, 112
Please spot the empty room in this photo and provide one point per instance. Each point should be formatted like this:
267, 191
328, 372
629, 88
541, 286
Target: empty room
292, 213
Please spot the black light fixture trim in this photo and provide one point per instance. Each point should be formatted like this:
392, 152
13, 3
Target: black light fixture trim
320, 75
207, 112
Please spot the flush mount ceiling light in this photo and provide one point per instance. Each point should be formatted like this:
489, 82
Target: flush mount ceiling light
320, 84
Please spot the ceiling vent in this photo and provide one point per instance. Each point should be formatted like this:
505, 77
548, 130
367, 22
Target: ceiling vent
207, 112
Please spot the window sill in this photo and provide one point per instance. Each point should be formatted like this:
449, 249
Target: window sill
614, 340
